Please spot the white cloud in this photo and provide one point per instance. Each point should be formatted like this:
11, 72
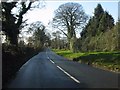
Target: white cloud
44, 15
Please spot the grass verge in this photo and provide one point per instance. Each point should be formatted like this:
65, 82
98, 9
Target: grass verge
104, 60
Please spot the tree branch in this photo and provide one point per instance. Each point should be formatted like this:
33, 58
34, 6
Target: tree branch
24, 10
62, 31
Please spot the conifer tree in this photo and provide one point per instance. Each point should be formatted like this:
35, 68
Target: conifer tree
98, 30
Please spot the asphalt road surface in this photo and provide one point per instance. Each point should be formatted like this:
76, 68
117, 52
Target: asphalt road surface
48, 70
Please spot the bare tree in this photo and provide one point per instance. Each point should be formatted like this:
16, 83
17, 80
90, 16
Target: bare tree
68, 18
38, 34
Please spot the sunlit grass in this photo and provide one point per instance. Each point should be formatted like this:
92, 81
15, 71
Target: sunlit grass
68, 53
108, 60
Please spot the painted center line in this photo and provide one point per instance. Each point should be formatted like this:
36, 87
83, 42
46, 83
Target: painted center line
64, 70
52, 61
48, 58
69, 75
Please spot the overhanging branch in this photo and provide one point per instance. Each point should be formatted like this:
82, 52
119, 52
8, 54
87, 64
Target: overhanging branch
62, 31
24, 10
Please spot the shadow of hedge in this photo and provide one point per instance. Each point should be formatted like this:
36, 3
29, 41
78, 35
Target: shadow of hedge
12, 59
111, 60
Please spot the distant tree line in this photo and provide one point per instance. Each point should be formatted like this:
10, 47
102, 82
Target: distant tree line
39, 39
59, 41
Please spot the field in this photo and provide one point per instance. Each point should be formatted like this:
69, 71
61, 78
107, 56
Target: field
104, 60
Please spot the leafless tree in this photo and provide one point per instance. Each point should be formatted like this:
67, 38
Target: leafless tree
68, 18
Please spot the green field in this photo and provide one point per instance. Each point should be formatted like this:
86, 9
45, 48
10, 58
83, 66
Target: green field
105, 60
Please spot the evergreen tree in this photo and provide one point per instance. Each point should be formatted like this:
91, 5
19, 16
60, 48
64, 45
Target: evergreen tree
100, 34
106, 22
93, 24
98, 12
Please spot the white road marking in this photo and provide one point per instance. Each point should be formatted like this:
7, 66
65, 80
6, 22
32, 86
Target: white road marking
49, 58
69, 75
52, 61
47, 55
63, 70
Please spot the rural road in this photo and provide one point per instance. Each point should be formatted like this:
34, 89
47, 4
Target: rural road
48, 70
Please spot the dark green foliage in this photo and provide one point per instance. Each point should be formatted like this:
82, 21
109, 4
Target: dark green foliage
118, 30
12, 59
98, 12
100, 34
106, 22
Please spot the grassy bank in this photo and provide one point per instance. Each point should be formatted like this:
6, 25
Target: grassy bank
105, 60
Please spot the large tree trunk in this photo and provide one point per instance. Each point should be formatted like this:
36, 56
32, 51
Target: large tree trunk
12, 39
11, 28
72, 39
73, 46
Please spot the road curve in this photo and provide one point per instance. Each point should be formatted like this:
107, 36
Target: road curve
48, 70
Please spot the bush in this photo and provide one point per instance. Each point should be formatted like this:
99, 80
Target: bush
12, 59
